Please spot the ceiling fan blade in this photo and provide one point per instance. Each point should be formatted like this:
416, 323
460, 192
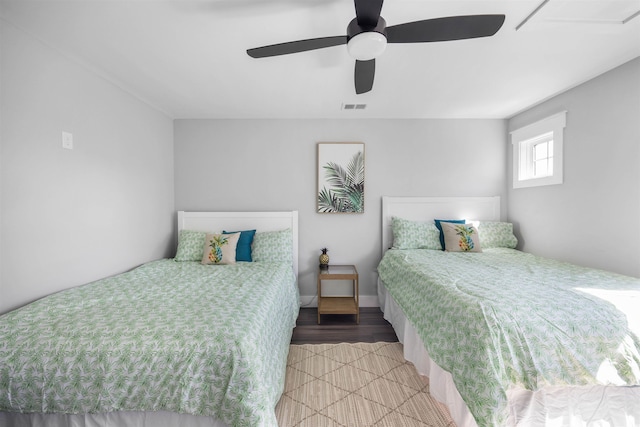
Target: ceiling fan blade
363, 76
368, 12
445, 29
296, 46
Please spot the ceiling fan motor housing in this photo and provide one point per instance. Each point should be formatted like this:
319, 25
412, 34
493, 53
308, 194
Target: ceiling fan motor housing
366, 43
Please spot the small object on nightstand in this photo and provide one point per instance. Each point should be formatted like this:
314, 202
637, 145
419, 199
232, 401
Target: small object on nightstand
324, 259
339, 305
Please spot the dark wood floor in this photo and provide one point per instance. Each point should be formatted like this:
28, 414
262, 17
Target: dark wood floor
337, 328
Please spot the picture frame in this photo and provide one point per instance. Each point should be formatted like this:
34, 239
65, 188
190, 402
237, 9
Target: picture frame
341, 178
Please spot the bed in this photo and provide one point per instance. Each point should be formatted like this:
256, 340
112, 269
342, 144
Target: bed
172, 342
507, 338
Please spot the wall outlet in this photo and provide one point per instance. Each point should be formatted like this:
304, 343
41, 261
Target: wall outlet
67, 140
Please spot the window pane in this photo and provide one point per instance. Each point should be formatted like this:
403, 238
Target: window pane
540, 168
540, 151
543, 168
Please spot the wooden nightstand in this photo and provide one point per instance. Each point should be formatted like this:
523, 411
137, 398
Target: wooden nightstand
338, 305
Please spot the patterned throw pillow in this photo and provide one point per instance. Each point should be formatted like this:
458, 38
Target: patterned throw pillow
414, 235
495, 234
438, 223
220, 248
274, 246
190, 245
460, 237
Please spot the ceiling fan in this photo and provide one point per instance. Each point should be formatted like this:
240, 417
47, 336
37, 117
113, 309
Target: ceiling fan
368, 35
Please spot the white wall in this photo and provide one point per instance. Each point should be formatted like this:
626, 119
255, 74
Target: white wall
592, 218
271, 165
72, 216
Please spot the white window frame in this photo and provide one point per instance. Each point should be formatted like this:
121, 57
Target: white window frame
524, 141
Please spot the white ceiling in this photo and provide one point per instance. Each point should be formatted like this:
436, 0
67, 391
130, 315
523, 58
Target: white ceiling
188, 57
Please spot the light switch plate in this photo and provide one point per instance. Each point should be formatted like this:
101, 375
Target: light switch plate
67, 140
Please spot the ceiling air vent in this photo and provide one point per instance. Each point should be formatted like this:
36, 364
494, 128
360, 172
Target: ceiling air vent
354, 106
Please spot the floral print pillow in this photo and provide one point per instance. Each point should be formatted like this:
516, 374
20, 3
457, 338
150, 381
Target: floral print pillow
190, 245
495, 234
220, 248
273, 246
414, 235
460, 237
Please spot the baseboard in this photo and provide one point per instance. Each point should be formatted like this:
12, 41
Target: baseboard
365, 301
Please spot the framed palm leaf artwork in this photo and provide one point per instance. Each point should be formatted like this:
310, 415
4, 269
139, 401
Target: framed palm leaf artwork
340, 177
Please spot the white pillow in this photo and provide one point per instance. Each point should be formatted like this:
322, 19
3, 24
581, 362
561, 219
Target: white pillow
460, 237
220, 248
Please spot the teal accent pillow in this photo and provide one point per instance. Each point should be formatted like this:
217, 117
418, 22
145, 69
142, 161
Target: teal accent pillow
190, 245
496, 234
243, 249
274, 246
438, 221
414, 235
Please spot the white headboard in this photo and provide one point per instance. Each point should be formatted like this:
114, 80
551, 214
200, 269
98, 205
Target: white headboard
260, 221
429, 208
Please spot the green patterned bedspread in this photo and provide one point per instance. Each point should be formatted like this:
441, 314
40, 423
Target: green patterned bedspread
173, 336
504, 319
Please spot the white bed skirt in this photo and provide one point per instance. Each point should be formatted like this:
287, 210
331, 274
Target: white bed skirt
441, 384
579, 406
109, 419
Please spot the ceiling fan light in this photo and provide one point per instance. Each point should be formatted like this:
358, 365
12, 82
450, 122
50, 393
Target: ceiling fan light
367, 45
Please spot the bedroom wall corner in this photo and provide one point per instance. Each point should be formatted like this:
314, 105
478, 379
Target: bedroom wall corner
591, 218
69, 217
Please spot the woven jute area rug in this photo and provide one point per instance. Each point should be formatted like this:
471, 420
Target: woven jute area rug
362, 384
